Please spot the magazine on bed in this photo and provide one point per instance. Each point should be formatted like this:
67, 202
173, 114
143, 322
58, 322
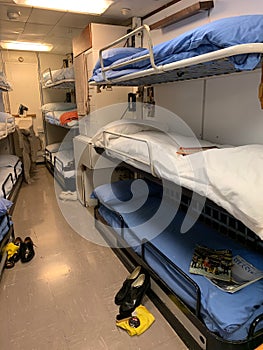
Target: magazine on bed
190, 150
211, 263
243, 274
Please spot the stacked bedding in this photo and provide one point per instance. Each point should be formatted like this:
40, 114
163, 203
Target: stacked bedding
63, 75
211, 37
156, 219
7, 124
61, 113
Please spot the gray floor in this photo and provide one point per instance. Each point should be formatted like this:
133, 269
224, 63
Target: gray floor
63, 298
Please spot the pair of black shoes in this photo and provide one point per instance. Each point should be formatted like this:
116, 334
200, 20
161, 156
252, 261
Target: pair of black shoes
132, 292
25, 252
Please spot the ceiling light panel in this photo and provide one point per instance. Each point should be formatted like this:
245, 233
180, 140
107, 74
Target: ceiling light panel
80, 6
25, 46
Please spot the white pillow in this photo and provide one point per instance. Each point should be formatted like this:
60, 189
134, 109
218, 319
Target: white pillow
58, 106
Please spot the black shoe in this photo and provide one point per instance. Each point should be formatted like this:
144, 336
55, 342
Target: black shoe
18, 241
135, 294
126, 285
27, 250
9, 263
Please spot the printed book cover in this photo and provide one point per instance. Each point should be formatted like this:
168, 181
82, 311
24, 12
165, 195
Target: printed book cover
212, 263
243, 274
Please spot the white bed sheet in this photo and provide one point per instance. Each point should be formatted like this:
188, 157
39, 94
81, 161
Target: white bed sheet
231, 177
57, 75
7, 124
4, 172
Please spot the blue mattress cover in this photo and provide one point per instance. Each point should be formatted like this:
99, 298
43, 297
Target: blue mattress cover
228, 315
210, 37
4, 226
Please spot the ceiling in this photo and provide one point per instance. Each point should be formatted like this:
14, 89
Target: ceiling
58, 28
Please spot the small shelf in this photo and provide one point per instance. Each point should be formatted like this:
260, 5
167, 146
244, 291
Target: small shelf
185, 13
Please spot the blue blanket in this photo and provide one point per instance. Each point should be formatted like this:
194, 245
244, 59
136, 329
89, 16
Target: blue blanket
210, 37
232, 321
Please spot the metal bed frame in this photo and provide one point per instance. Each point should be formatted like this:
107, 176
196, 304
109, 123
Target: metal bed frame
60, 84
9, 128
17, 182
184, 320
65, 183
201, 66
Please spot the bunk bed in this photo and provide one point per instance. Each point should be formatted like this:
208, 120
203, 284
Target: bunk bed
143, 144
63, 78
7, 124
11, 176
61, 114
136, 225
59, 158
225, 46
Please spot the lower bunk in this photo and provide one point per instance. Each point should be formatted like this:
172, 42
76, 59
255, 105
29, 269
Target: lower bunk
60, 162
145, 231
11, 176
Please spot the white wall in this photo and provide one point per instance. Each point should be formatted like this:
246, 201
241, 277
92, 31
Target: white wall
229, 111
23, 71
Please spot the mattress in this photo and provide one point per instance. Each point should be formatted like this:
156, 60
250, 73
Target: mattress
67, 118
162, 228
4, 226
149, 147
50, 77
7, 124
10, 169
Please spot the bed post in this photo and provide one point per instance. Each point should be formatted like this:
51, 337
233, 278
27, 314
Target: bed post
260, 90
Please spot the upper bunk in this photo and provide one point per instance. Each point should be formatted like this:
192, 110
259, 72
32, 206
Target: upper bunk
63, 78
224, 46
4, 83
63, 114
7, 124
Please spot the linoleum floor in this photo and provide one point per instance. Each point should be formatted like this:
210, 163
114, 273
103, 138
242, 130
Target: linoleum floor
63, 298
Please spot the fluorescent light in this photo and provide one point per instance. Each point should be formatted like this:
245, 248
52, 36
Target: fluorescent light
25, 46
80, 6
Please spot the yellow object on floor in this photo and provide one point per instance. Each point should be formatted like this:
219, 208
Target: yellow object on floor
146, 319
11, 249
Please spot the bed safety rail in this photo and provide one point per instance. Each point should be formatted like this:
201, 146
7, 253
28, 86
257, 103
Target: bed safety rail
106, 138
49, 81
175, 70
17, 170
253, 326
181, 273
144, 30
6, 192
58, 164
48, 155
218, 218
9, 128
144, 243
